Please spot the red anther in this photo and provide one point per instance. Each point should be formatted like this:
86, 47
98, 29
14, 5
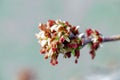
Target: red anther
100, 39
62, 39
44, 28
96, 45
46, 56
54, 49
77, 53
68, 54
72, 45
51, 22
67, 23
76, 32
53, 31
97, 33
92, 53
72, 29
54, 45
42, 51
76, 61
80, 42
53, 62
57, 42
89, 31
56, 62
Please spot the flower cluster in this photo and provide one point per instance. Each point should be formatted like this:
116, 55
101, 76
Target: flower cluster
60, 37
96, 40
57, 37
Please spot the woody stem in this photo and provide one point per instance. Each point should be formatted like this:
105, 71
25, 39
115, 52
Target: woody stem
105, 39
112, 38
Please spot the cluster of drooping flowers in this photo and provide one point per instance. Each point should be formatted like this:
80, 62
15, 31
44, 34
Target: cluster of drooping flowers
60, 37
57, 37
96, 40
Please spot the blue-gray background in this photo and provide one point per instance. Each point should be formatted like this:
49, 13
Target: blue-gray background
19, 49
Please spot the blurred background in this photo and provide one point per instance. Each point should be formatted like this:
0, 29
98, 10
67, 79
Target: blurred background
19, 50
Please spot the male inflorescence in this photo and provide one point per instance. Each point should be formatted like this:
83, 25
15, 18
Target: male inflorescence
60, 37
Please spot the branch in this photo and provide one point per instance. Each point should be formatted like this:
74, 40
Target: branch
112, 38
60, 37
105, 39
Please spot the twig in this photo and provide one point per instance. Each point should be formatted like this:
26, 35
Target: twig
105, 39
112, 38
56, 37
